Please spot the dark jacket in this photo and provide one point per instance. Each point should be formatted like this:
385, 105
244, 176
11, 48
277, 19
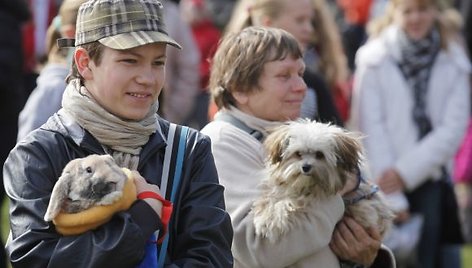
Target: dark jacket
466, 10
200, 229
327, 111
12, 14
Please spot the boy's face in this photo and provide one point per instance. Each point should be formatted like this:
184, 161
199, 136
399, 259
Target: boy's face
128, 82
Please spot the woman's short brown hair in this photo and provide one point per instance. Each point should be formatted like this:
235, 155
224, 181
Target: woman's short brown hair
240, 58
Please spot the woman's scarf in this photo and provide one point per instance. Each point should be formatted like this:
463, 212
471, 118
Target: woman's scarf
416, 64
260, 125
123, 139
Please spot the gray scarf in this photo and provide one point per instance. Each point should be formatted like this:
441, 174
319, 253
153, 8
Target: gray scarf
262, 126
416, 63
122, 139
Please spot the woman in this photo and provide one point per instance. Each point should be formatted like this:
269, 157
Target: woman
411, 99
257, 83
308, 21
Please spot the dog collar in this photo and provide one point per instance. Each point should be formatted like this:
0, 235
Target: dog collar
373, 190
358, 183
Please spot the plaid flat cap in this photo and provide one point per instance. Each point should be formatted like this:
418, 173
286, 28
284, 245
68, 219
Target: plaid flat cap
120, 24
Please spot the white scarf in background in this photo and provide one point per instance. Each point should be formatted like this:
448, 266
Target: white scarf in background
261, 125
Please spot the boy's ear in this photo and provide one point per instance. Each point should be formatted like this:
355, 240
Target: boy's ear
82, 61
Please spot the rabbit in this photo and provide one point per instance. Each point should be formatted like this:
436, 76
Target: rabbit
86, 182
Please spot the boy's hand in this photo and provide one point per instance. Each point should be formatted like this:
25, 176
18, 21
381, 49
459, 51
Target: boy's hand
143, 186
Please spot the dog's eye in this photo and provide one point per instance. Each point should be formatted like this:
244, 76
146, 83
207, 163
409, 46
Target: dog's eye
298, 154
319, 155
88, 169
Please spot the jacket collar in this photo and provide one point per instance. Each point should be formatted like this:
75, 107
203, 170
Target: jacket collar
391, 37
454, 53
65, 125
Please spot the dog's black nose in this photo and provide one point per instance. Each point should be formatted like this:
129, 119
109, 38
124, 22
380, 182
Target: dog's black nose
306, 168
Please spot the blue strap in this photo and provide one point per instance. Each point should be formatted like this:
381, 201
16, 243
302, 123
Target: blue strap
229, 118
175, 187
150, 256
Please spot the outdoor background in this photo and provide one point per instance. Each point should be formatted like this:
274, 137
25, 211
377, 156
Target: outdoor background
466, 263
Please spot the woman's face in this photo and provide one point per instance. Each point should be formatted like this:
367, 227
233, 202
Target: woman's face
296, 18
416, 17
127, 82
279, 94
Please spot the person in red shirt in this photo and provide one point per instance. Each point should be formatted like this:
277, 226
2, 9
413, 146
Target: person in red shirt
356, 15
206, 36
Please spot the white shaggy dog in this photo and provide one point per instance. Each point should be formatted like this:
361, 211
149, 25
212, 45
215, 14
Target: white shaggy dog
85, 182
308, 161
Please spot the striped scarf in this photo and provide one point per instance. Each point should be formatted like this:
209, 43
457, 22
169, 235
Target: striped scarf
416, 63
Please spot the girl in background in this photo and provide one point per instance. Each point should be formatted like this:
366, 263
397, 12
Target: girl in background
411, 99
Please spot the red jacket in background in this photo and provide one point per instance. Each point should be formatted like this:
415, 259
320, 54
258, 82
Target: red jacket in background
355, 11
29, 28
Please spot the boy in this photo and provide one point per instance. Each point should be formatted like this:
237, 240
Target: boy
109, 107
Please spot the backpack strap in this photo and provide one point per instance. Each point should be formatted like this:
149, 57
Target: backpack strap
239, 124
171, 174
170, 181
167, 159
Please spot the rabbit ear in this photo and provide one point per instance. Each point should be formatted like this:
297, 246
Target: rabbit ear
58, 196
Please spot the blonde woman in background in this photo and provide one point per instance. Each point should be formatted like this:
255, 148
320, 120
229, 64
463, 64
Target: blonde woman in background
411, 99
327, 56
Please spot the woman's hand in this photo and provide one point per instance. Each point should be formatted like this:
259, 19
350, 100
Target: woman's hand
353, 243
143, 186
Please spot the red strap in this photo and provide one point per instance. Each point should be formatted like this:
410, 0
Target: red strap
166, 209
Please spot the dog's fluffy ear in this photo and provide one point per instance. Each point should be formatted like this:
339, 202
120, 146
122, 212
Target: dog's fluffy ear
349, 150
60, 191
276, 143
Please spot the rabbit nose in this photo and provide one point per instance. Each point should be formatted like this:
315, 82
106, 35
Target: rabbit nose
102, 188
306, 168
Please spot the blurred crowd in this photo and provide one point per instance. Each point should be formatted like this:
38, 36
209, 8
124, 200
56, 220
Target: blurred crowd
342, 74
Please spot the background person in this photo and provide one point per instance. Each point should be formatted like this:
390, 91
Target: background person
196, 13
13, 13
46, 98
412, 100
182, 70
